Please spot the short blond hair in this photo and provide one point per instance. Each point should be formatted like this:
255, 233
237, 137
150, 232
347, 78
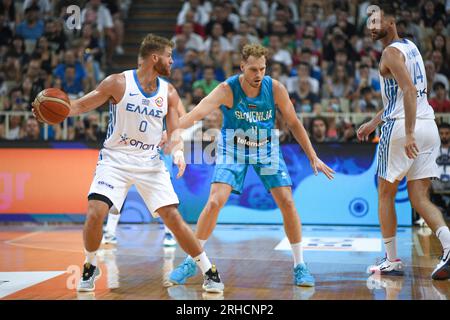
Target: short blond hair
255, 50
153, 43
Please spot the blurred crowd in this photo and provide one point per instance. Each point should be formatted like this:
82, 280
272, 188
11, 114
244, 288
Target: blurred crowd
320, 50
44, 44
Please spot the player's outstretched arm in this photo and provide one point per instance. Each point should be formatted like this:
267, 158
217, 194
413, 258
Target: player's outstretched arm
286, 108
220, 95
394, 60
111, 88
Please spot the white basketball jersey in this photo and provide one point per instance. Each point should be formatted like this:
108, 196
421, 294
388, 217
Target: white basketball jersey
136, 122
393, 96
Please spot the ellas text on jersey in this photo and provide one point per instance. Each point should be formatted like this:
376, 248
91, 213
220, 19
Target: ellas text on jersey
144, 110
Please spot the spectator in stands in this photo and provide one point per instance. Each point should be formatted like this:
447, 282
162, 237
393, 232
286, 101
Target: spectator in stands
277, 71
55, 36
6, 34
193, 40
45, 7
32, 130
201, 14
304, 99
39, 77
306, 56
18, 50
303, 72
48, 57
341, 59
211, 125
246, 6
439, 63
257, 22
11, 70
92, 130
33, 27
346, 132
433, 77
339, 84
118, 25
318, 130
197, 95
411, 27
440, 102
9, 9
243, 36
288, 5
363, 80
71, 85
428, 14
208, 83
366, 102
89, 38
232, 12
280, 54
192, 66
190, 17
219, 59
282, 16
96, 13
184, 90
15, 127
338, 42
70, 60
179, 51
443, 162
27, 92
217, 34
220, 15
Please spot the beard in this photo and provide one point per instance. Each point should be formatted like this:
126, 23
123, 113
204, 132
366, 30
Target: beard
377, 35
162, 69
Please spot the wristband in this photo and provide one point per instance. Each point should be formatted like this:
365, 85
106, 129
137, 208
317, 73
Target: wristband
178, 153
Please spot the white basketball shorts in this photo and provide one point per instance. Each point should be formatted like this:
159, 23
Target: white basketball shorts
394, 164
116, 172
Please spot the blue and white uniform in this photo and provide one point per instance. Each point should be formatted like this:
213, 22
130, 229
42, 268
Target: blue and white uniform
130, 153
257, 145
393, 163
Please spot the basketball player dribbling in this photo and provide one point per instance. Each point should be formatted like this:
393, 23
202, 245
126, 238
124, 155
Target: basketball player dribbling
409, 141
140, 99
248, 102
110, 230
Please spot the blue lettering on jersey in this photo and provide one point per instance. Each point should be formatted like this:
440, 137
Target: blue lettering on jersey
412, 53
144, 110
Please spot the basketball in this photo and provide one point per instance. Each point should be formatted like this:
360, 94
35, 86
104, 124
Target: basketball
52, 105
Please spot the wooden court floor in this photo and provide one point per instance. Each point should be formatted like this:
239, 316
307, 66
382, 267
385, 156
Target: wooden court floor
43, 262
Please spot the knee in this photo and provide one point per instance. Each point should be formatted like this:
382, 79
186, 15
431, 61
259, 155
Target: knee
288, 204
213, 205
96, 212
417, 202
170, 215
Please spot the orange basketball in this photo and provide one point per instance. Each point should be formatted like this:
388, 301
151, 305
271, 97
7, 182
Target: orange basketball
52, 105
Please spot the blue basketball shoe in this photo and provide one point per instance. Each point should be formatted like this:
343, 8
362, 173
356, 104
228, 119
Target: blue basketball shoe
302, 277
182, 272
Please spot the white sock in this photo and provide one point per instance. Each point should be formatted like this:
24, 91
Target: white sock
91, 257
111, 225
203, 262
443, 234
390, 245
202, 242
297, 252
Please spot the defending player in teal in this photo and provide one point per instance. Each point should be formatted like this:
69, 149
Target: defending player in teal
249, 102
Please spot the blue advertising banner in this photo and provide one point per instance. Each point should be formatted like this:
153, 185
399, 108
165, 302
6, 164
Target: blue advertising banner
349, 199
